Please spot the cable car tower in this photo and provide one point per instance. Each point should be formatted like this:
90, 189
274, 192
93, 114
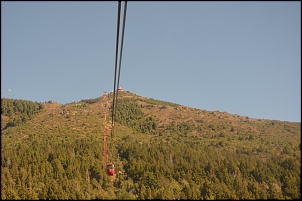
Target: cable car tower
108, 166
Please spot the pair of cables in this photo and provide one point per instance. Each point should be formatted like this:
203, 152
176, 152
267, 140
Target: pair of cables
118, 60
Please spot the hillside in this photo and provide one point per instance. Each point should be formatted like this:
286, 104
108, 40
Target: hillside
161, 150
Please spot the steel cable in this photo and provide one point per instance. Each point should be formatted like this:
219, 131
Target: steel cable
118, 57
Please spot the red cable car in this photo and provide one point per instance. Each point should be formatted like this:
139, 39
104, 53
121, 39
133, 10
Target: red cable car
110, 169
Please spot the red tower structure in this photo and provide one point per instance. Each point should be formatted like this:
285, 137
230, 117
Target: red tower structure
108, 166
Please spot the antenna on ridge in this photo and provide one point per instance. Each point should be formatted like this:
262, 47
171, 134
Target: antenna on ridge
9, 93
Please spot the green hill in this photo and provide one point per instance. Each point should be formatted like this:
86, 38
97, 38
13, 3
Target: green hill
160, 150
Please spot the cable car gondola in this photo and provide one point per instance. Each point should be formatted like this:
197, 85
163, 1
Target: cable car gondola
110, 169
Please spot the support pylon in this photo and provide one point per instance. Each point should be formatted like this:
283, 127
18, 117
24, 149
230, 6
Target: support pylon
105, 154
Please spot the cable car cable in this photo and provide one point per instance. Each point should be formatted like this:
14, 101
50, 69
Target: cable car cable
110, 166
115, 98
121, 53
116, 59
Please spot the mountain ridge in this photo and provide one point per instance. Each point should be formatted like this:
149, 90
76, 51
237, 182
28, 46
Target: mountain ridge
161, 150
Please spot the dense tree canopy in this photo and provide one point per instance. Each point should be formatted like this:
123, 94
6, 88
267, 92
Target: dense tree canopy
57, 153
18, 110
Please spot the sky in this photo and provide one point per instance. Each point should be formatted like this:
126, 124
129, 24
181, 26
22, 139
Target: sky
238, 57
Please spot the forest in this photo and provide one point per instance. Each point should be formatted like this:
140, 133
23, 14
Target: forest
160, 150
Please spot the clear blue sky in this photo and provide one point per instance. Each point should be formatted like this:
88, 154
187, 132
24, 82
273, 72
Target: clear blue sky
237, 57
